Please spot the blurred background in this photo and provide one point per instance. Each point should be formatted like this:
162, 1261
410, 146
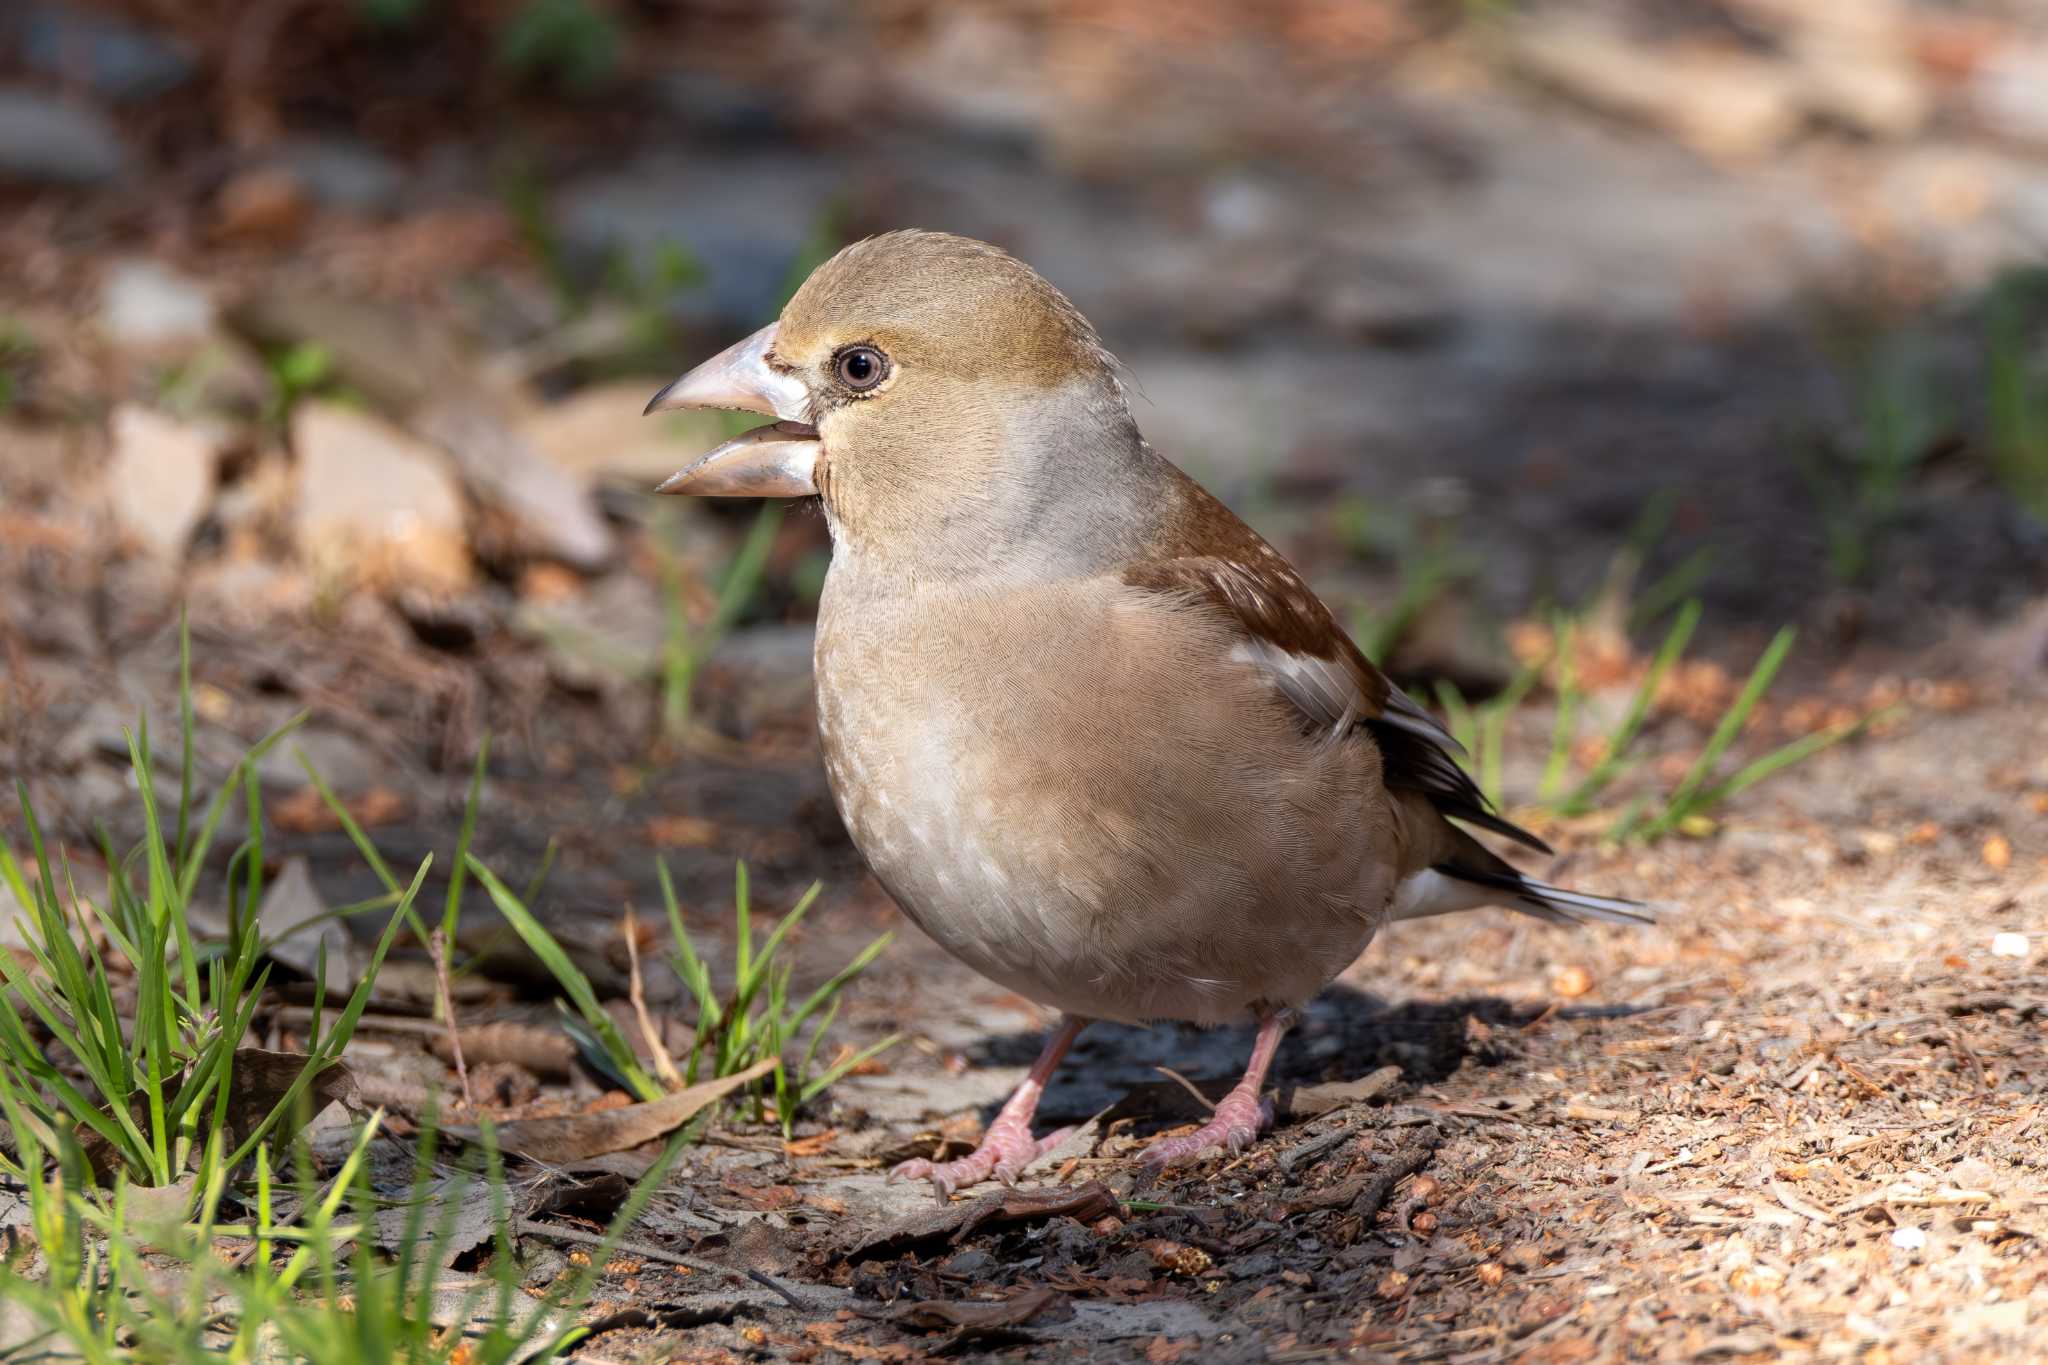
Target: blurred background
333, 320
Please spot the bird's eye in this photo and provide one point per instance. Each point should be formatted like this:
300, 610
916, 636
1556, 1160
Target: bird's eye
861, 367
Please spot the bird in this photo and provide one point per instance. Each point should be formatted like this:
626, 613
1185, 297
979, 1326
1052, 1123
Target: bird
1094, 735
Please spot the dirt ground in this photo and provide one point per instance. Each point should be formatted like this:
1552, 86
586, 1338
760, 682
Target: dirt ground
1797, 1116
1454, 287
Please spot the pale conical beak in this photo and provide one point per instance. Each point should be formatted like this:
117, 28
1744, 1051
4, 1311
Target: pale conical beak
775, 461
778, 461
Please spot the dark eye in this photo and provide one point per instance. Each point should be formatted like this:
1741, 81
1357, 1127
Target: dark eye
861, 367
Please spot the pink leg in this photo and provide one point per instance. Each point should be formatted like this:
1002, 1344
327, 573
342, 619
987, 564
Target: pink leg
1242, 1114
1007, 1147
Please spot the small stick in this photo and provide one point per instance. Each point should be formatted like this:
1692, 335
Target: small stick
441, 987
556, 1231
1207, 1104
1405, 1163
664, 1065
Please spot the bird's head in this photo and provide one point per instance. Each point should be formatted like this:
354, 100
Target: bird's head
922, 381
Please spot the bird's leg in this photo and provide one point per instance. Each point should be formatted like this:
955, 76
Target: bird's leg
1242, 1113
1007, 1146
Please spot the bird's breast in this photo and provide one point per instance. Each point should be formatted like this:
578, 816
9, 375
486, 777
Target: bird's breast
1090, 805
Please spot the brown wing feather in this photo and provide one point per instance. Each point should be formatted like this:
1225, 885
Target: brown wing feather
1318, 669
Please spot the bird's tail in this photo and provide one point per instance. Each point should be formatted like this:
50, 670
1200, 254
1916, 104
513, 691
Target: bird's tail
1473, 876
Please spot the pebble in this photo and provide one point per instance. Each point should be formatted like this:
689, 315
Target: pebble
146, 304
116, 61
45, 140
160, 479
374, 501
343, 173
2010, 945
1909, 1239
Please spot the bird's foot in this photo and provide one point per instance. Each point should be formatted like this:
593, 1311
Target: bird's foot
1006, 1149
1233, 1127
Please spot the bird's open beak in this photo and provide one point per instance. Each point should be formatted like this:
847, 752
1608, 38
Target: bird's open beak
777, 461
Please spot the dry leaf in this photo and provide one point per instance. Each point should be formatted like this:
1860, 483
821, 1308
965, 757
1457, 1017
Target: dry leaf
577, 1137
306, 812
814, 1145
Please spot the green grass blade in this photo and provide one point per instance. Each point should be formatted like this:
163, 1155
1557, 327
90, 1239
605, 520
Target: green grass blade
452, 910
344, 1026
1681, 802
817, 1085
1564, 728
1616, 760
184, 733
577, 986
839, 979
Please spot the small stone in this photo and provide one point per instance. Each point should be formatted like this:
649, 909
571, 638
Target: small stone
144, 304
2010, 945
48, 141
117, 61
2009, 93
374, 504
1491, 1273
160, 479
1909, 1239
342, 173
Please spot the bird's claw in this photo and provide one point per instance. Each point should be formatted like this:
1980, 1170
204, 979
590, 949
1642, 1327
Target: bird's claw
1005, 1150
1234, 1126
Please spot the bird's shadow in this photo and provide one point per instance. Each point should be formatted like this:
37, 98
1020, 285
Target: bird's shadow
1346, 1033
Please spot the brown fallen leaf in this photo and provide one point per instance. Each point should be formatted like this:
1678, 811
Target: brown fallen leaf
956, 1222
306, 812
817, 1144
683, 831
259, 1081
764, 1197
577, 1137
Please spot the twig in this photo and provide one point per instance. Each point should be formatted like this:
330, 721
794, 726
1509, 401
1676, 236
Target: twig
780, 1291
438, 943
664, 1065
1405, 1163
533, 1227
1208, 1105
1955, 1040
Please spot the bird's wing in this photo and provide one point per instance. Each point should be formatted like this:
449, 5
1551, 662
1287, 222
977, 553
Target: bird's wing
1287, 632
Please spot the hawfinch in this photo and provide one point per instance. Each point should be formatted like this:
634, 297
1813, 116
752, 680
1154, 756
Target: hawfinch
1096, 736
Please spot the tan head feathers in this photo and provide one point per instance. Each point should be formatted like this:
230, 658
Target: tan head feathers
937, 300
